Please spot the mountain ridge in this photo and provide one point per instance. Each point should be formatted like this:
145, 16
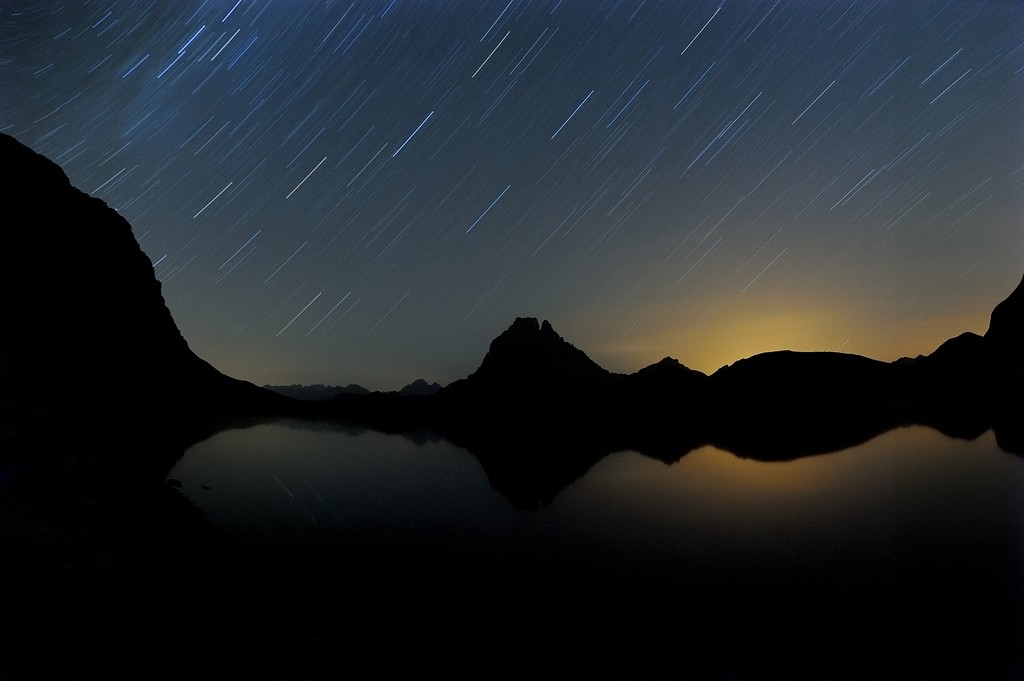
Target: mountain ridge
533, 396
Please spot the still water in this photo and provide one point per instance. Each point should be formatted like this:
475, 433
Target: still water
841, 561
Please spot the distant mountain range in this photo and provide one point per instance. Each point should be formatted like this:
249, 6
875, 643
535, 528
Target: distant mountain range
80, 308
319, 391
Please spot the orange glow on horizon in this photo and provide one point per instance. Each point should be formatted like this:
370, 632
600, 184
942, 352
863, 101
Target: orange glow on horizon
735, 330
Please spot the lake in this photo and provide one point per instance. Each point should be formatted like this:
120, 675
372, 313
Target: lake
900, 558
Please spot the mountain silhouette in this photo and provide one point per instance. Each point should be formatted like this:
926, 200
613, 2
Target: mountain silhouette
529, 358
666, 376
317, 391
100, 392
538, 412
87, 344
85, 313
1006, 326
99, 395
1004, 341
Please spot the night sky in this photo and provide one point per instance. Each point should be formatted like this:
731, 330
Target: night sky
369, 192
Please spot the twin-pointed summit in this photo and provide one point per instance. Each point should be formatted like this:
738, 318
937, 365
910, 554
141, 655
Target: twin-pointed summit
531, 358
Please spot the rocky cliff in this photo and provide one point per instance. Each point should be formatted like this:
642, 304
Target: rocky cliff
88, 347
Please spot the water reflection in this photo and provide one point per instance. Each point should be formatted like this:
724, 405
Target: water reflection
318, 477
297, 473
814, 568
843, 504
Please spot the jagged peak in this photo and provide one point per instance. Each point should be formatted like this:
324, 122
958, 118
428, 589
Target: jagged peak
530, 350
420, 387
526, 326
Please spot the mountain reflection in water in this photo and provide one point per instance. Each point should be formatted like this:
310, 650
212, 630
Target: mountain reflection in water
713, 564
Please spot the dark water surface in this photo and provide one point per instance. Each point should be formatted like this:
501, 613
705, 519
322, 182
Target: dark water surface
393, 556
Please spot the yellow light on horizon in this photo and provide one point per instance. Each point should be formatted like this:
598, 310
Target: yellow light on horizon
738, 328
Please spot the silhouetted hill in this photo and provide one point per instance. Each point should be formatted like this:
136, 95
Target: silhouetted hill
781, 405
973, 383
994, 361
666, 375
763, 379
80, 308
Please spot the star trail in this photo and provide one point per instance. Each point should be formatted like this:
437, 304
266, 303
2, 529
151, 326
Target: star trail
369, 192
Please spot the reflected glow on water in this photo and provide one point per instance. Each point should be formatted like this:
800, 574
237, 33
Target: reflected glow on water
307, 480
823, 563
842, 506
